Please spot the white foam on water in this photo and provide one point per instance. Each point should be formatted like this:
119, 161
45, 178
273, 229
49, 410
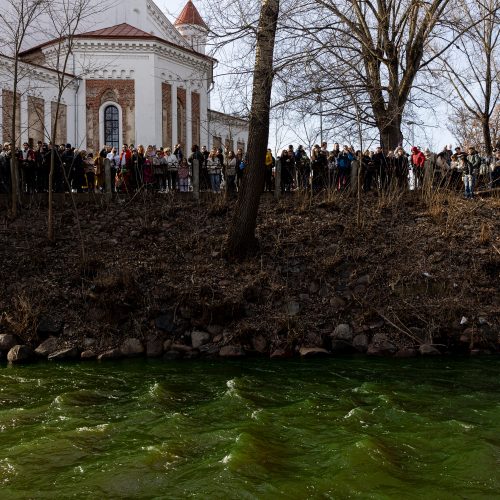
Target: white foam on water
226, 459
98, 428
255, 414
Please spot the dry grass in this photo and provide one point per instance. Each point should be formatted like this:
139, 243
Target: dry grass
22, 320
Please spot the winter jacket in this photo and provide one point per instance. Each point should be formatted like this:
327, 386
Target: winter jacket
472, 164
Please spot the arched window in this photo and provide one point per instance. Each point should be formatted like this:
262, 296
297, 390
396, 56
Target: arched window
112, 127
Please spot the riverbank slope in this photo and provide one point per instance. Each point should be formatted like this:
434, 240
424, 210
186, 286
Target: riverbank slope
403, 275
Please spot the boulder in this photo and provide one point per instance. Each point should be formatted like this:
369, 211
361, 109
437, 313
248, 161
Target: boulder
342, 347
49, 326
7, 341
428, 350
342, 332
88, 355
360, 342
337, 303
47, 347
313, 352
292, 308
215, 329
167, 345
259, 343
165, 322
115, 353
88, 342
67, 354
182, 348
209, 350
199, 338
281, 354
381, 346
231, 351
20, 354
131, 347
154, 346
172, 355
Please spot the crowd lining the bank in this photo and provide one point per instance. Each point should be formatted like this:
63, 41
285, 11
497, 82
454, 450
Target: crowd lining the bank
170, 169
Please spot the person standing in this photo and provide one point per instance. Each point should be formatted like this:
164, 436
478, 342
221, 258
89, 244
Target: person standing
472, 163
214, 170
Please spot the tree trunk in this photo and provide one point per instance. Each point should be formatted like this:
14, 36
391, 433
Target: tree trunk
390, 135
50, 215
241, 240
485, 124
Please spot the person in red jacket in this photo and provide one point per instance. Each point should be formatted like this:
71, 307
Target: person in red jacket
417, 161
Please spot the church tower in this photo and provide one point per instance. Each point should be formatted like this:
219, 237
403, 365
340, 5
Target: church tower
192, 27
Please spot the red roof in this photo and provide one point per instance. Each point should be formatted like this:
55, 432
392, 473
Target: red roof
190, 15
120, 31
123, 30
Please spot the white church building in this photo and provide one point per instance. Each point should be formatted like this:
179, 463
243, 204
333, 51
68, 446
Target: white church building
136, 78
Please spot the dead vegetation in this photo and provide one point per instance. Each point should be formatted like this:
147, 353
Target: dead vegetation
412, 269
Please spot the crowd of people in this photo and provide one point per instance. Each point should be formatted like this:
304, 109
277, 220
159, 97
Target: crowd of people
342, 168
166, 169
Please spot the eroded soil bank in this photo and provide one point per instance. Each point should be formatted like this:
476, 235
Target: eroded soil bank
406, 275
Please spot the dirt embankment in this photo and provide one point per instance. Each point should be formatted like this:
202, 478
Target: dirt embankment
403, 276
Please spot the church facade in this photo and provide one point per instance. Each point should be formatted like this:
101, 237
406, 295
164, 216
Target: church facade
138, 80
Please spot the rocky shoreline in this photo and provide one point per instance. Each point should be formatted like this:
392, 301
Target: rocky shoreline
410, 278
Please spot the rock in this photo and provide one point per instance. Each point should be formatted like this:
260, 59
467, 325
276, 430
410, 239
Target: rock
231, 351
88, 355
337, 303
115, 353
154, 346
67, 354
406, 352
49, 326
360, 342
259, 343
342, 332
182, 348
88, 342
363, 280
20, 354
381, 346
292, 308
167, 345
132, 347
428, 350
47, 347
7, 341
315, 286
215, 329
311, 352
281, 354
199, 338
209, 350
165, 322
342, 347
172, 355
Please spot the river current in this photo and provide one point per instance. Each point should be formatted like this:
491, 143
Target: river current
336, 428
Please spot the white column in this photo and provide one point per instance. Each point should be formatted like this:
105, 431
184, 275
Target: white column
205, 133
24, 119
47, 113
174, 114
189, 120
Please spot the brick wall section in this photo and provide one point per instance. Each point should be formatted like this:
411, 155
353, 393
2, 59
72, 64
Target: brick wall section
101, 91
62, 122
181, 116
195, 114
36, 119
166, 96
7, 101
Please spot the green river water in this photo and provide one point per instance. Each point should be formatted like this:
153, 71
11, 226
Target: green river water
336, 428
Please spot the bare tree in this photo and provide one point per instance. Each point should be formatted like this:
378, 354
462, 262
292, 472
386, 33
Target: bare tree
472, 68
17, 20
241, 239
67, 19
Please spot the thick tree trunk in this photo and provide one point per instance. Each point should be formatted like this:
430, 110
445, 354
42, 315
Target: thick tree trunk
391, 136
241, 240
